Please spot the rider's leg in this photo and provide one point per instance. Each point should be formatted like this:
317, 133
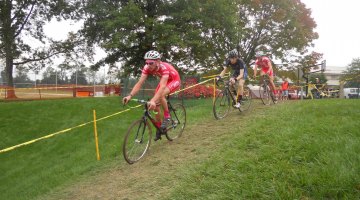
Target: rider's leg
272, 85
164, 104
240, 90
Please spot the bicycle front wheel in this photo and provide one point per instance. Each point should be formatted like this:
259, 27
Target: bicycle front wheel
246, 100
137, 141
178, 122
264, 93
221, 106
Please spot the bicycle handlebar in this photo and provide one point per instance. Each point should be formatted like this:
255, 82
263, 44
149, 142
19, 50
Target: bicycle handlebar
139, 101
145, 104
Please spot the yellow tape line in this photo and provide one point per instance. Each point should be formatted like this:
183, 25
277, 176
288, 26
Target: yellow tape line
81, 125
63, 131
191, 86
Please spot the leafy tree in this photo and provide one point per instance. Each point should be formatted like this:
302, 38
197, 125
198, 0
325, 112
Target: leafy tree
22, 77
21, 19
196, 34
351, 76
320, 76
79, 77
188, 33
282, 27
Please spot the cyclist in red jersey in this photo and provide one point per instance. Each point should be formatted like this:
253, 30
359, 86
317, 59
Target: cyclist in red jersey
169, 82
264, 63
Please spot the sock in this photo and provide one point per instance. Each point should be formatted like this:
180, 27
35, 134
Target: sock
166, 114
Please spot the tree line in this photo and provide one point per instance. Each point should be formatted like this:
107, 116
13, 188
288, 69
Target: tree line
193, 35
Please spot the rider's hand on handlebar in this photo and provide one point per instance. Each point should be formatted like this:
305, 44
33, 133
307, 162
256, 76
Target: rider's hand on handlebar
232, 80
126, 99
217, 78
151, 105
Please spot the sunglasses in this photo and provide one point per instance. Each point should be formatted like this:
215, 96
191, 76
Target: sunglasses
149, 63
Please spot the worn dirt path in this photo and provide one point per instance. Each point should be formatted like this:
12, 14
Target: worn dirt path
153, 177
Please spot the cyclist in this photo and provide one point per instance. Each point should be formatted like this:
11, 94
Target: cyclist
169, 82
264, 63
285, 88
319, 87
239, 73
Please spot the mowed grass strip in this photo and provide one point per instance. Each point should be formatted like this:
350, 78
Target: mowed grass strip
300, 150
36, 169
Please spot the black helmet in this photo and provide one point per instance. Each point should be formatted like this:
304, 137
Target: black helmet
233, 53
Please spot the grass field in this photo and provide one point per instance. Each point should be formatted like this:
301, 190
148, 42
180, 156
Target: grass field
295, 150
33, 170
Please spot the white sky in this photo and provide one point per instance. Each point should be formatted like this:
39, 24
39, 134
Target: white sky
339, 31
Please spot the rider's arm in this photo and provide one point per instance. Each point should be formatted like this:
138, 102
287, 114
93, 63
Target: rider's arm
138, 85
162, 86
223, 72
255, 69
270, 67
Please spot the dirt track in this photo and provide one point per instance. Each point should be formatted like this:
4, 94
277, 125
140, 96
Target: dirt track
152, 177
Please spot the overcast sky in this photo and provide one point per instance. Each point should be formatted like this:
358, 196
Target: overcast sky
339, 31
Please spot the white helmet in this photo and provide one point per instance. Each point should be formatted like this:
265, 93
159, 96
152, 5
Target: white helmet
259, 54
152, 55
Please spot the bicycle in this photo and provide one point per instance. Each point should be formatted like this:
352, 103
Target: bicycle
221, 105
265, 92
138, 137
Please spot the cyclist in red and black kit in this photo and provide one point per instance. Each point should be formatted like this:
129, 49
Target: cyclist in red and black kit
239, 73
264, 63
169, 82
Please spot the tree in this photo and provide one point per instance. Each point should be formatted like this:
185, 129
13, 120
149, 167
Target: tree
283, 27
351, 76
79, 77
196, 35
23, 19
320, 76
188, 33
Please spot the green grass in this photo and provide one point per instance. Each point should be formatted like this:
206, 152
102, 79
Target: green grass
33, 170
296, 150
303, 150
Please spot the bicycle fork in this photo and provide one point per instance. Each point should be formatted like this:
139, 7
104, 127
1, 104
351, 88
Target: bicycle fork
142, 132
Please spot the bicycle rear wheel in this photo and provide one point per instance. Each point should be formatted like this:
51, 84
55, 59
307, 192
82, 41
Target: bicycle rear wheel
246, 100
137, 141
265, 95
221, 106
178, 122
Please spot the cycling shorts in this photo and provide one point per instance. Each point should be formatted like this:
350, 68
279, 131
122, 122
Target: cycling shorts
173, 85
267, 71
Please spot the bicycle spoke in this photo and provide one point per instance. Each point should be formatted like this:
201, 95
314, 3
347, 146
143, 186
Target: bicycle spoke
137, 141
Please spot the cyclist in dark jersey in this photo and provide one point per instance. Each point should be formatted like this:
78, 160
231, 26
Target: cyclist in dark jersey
239, 73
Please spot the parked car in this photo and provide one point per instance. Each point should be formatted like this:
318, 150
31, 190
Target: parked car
350, 93
293, 94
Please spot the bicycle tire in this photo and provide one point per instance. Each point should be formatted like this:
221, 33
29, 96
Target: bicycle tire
178, 122
221, 105
264, 93
246, 100
132, 142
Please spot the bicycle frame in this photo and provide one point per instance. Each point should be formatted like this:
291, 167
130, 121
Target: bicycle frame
147, 114
228, 91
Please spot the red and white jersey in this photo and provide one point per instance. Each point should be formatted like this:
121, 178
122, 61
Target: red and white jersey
263, 62
163, 69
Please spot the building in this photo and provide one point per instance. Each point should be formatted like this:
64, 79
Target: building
333, 74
